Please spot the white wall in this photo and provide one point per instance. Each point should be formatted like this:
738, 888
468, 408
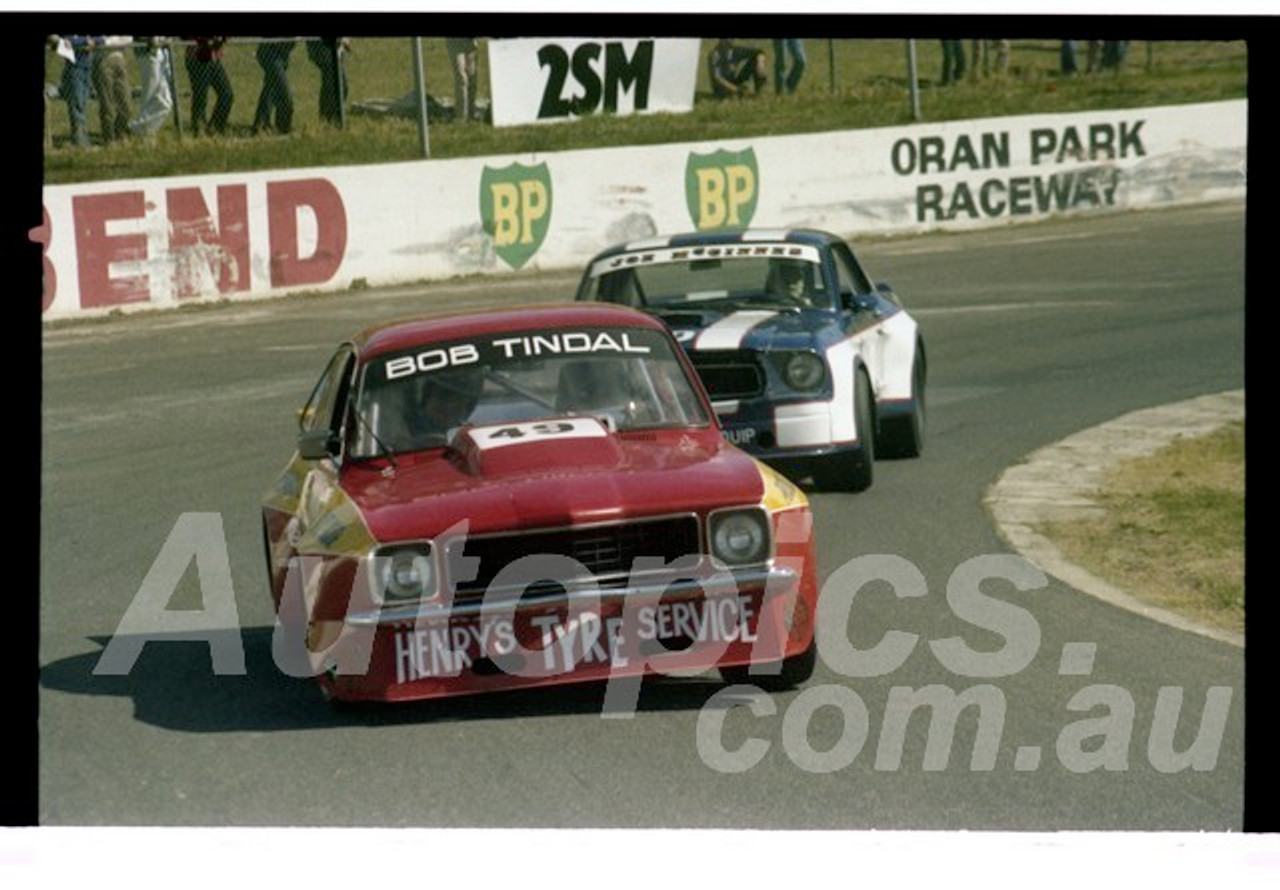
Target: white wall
152, 243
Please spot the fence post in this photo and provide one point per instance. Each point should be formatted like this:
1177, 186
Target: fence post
339, 64
420, 89
831, 65
169, 75
913, 80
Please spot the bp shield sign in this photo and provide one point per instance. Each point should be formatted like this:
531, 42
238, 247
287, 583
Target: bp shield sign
515, 210
721, 189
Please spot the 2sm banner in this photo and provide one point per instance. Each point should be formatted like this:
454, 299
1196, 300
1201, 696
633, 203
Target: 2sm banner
156, 243
540, 80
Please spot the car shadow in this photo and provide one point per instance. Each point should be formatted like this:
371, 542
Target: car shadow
173, 685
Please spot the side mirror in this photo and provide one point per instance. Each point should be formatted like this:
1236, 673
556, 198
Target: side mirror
317, 444
883, 288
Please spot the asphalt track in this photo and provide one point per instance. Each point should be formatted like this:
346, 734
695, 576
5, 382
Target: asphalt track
1082, 710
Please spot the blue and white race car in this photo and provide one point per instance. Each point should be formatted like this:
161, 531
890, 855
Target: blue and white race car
810, 366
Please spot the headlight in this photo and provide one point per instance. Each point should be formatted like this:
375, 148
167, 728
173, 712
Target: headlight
403, 574
740, 537
803, 371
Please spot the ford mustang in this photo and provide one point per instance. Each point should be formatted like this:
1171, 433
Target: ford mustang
527, 497
810, 366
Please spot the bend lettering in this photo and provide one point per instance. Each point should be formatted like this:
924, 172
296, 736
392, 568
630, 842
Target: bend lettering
207, 245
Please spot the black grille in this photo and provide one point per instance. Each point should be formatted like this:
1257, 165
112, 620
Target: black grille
607, 551
729, 374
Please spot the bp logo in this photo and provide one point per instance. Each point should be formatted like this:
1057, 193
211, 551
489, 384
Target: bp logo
515, 209
721, 189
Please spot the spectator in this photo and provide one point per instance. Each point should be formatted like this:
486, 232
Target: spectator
155, 63
731, 67
782, 77
275, 102
1067, 58
982, 50
206, 72
1107, 55
76, 51
326, 54
111, 83
462, 59
952, 61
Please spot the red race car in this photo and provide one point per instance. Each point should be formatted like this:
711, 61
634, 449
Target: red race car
529, 497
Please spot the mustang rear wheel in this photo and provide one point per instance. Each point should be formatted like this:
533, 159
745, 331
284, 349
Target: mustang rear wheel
794, 671
853, 470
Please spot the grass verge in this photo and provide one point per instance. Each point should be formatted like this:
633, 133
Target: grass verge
1173, 533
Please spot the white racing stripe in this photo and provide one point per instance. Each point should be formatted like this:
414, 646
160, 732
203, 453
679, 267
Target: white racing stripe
730, 331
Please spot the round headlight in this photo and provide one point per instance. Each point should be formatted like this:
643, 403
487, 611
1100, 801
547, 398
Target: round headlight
740, 538
406, 575
804, 371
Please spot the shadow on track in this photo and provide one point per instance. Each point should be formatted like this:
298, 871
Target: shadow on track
173, 685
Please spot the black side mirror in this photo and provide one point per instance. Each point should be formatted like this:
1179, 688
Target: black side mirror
887, 292
317, 444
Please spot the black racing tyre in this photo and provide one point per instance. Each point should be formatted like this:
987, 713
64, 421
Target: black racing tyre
853, 470
794, 671
904, 436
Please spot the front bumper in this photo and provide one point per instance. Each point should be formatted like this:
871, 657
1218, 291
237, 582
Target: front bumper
752, 616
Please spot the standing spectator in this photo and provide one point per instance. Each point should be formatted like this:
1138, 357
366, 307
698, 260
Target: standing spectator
782, 78
326, 54
730, 67
206, 72
1067, 58
275, 102
155, 63
982, 50
111, 83
462, 59
952, 61
76, 51
1112, 53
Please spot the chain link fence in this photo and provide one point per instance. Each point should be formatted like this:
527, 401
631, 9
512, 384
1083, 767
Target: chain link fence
192, 87
104, 89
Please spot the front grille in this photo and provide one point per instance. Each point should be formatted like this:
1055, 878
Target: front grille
730, 374
606, 551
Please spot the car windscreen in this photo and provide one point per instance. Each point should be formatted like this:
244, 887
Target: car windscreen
418, 398
785, 274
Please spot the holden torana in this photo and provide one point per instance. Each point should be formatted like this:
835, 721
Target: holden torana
809, 365
526, 497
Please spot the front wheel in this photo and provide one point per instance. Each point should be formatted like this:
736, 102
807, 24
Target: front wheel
794, 671
903, 436
853, 470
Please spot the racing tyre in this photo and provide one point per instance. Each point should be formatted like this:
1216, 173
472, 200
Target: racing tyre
853, 470
903, 436
795, 670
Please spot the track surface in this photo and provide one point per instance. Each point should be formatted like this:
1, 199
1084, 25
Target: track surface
1033, 333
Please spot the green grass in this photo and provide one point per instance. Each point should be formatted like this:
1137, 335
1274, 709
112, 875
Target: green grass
1173, 532
850, 84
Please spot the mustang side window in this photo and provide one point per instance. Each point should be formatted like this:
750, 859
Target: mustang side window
848, 270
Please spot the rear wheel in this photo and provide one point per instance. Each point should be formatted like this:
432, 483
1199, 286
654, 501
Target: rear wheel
853, 470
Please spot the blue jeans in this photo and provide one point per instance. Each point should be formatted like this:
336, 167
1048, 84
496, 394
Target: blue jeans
75, 89
782, 79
